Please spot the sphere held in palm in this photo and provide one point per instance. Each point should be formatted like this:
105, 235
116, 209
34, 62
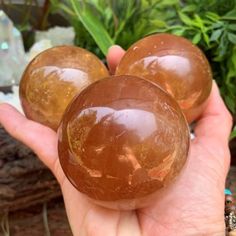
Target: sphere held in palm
121, 140
176, 65
53, 78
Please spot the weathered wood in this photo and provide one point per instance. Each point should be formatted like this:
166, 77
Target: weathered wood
40, 220
24, 180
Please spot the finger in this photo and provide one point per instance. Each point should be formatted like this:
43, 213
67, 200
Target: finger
114, 55
42, 140
216, 121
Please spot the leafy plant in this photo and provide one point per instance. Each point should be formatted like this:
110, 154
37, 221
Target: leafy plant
101, 23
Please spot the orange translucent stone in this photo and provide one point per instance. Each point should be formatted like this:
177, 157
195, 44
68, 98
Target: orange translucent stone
53, 78
176, 65
121, 140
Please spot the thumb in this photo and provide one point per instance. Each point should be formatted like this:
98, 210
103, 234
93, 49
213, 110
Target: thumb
114, 55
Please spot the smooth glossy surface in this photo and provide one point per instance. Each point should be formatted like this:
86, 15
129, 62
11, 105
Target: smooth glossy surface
176, 65
53, 78
121, 140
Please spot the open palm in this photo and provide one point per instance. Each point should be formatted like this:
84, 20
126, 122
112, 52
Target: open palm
192, 205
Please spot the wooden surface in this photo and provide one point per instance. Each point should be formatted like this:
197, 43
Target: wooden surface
41, 220
30, 197
24, 180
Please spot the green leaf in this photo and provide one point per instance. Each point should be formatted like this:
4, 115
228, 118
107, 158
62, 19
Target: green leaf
196, 39
199, 22
232, 27
158, 23
212, 16
63, 7
216, 35
93, 25
230, 15
169, 3
232, 38
24, 27
230, 103
233, 133
178, 31
184, 18
219, 24
206, 39
189, 8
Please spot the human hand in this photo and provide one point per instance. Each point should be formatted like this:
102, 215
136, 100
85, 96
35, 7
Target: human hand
192, 206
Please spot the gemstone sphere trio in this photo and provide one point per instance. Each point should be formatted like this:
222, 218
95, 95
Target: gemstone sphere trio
121, 138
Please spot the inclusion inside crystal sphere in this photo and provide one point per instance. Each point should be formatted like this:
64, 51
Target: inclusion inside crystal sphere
121, 140
176, 65
53, 78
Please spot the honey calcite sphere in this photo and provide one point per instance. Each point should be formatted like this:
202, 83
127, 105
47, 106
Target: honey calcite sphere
53, 78
121, 140
176, 65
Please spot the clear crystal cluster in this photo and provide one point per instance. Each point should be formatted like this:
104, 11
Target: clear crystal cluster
12, 54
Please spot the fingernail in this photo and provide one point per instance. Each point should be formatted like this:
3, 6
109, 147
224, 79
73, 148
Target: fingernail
115, 47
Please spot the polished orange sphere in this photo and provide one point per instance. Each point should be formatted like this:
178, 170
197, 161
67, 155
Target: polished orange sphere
176, 65
53, 78
121, 140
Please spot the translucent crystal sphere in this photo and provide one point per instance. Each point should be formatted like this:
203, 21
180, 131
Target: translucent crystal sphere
176, 65
53, 78
121, 140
